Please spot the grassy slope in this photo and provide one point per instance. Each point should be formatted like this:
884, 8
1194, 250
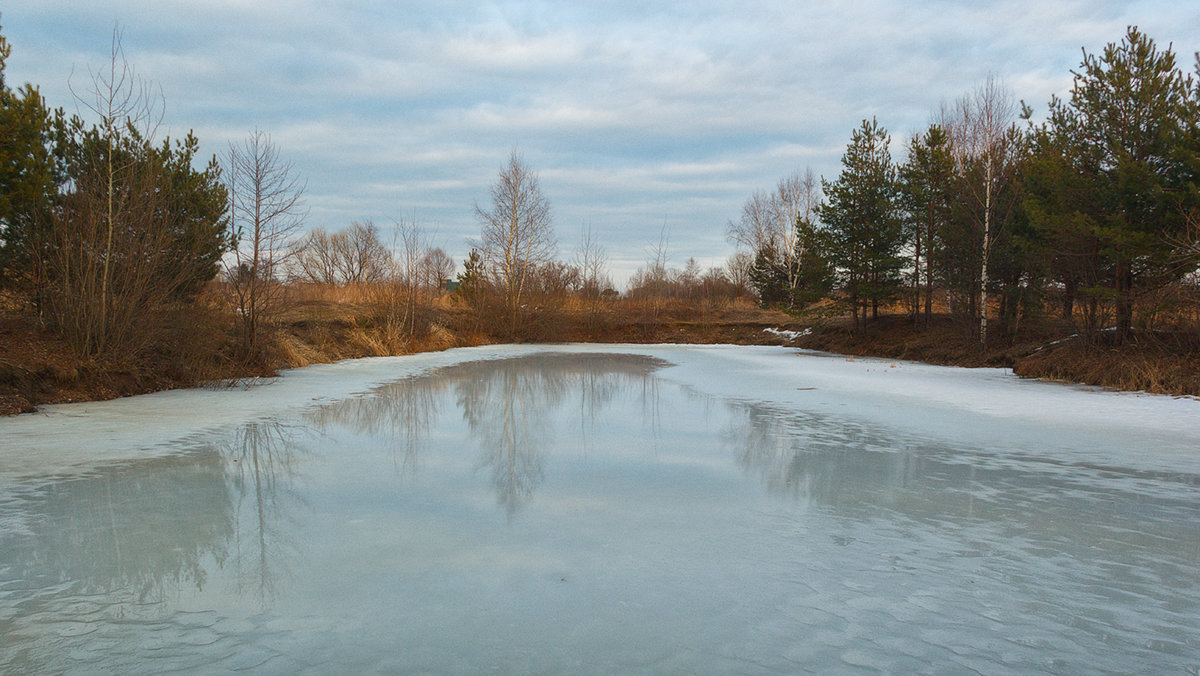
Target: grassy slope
1160, 363
36, 368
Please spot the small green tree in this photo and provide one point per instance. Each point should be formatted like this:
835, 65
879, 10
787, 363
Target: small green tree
29, 175
124, 246
135, 229
924, 181
472, 281
769, 278
796, 279
774, 222
863, 223
813, 270
193, 212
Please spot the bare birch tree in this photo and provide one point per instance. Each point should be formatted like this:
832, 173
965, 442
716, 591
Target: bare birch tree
266, 209
592, 261
355, 255
981, 127
770, 220
409, 295
754, 229
737, 270
312, 259
358, 255
517, 233
436, 265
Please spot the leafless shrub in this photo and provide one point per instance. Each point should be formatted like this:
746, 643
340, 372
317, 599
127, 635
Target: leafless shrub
591, 260
121, 258
265, 210
436, 266
359, 255
313, 261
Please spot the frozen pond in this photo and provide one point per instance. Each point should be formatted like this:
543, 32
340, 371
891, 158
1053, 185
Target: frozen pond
605, 509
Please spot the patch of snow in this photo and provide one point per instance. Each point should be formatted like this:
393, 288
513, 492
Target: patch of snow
988, 408
1071, 337
786, 334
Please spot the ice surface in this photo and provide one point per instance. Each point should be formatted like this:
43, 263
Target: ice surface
911, 395
601, 509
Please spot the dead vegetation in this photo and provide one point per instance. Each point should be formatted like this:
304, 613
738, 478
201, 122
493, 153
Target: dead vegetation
325, 323
1160, 362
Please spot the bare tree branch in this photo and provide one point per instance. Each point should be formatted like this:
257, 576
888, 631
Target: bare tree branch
517, 232
266, 209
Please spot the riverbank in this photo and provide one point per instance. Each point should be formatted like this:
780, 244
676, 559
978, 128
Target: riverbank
38, 369
1157, 362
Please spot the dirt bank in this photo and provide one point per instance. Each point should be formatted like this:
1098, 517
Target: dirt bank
38, 369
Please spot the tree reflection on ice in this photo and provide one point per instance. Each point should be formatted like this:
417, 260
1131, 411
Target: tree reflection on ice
506, 405
265, 456
1041, 505
126, 530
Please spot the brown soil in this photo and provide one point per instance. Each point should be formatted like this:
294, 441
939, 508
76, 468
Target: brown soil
37, 368
1162, 363
945, 341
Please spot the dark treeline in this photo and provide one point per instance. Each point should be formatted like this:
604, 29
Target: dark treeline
1092, 215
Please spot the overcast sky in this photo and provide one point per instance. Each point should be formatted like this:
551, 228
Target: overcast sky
639, 117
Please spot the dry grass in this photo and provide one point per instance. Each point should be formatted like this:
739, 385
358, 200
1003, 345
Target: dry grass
1160, 363
349, 294
293, 352
324, 324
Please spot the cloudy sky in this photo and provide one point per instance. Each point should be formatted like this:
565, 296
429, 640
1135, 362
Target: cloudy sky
640, 117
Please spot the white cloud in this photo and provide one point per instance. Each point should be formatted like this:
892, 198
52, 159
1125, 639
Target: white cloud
637, 114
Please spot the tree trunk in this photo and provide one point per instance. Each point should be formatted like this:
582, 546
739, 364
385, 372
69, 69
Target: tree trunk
983, 273
1070, 289
917, 280
107, 245
1124, 301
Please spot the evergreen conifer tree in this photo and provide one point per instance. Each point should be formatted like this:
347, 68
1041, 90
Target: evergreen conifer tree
863, 223
1124, 174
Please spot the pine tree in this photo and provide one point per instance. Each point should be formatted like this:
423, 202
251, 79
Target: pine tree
769, 278
472, 281
1123, 139
28, 175
863, 221
814, 273
924, 180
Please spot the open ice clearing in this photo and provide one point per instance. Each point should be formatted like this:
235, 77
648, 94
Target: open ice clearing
605, 509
